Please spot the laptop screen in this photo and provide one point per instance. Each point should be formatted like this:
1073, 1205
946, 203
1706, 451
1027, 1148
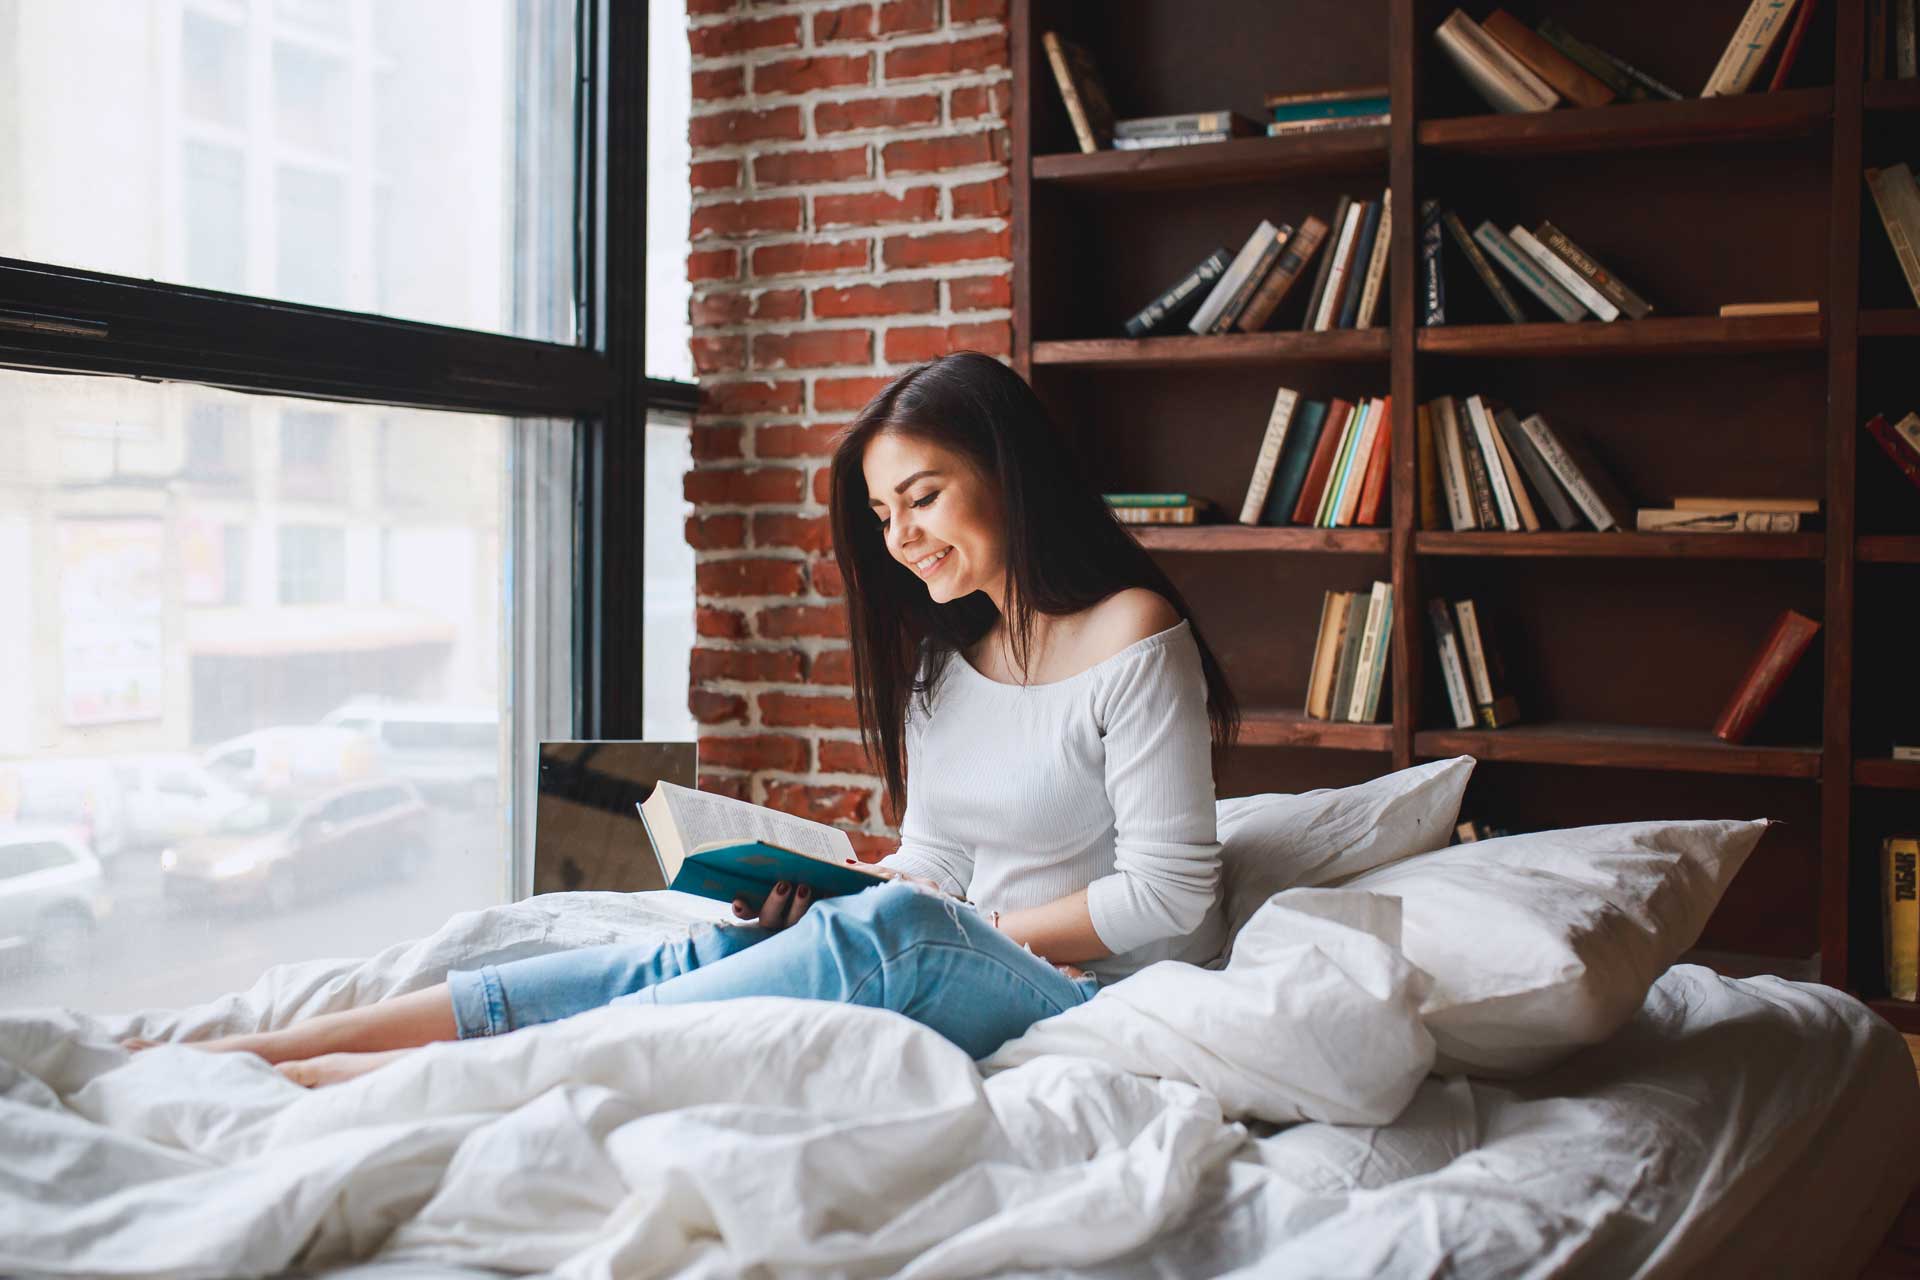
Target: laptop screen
587, 831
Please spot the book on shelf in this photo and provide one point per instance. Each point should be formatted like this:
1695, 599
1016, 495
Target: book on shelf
1184, 513
1498, 479
1375, 647
1332, 124
1427, 468
1335, 606
1450, 457
1299, 251
1779, 654
1230, 279
1486, 503
1568, 78
1900, 915
1577, 469
1482, 267
1539, 476
1589, 269
1433, 284
1335, 225
1373, 285
1159, 140
1182, 296
1268, 458
1906, 754
717, 847
1290, 472
1373, 488
1329, 309
1081, 91
1453, 669
1364, 100
1801, 307
1223, 122
1563, 274
1804, 506
1623, 77
1739, 64
1790, 51
1494, 704
1903, 450
1342, 459
1724, 520
1243, 294
1314, 486
1491, 69
1502, 250
1147, 499
1897, 200
1516, 482
1901, 37
1349, 664
1369, 228
1349, 474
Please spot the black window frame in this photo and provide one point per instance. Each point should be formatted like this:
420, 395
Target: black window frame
59, 319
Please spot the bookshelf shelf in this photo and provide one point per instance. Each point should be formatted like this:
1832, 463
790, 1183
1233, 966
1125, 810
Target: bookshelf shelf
1233, 162
1229, 349
1276, 728
1890, 322
1887, 773
1888, 549
1619, 746
1654, 336
1748, 118
1892, 95
1240, 537
1694, 546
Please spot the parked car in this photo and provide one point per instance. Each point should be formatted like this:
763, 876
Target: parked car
170, 797
51, 896
80, 792
286, 846
452, 753
291, 755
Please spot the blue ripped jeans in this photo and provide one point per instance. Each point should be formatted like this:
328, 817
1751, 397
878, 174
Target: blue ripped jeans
893, 946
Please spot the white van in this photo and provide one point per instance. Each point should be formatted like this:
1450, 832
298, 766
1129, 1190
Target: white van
450, 752
171, 797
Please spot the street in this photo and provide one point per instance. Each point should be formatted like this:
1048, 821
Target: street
148, 956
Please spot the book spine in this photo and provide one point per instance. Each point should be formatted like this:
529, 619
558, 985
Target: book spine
1342, 263
1326, 668
1536, 91
1732, 520
1427, 460
1486, 510
1654, 88
1202, 321
1433, 285
1521, 268
1894, 447
1791, 51
1453, 674
1273, 290
1069, 93
1256, 275
1157, 312
1477, 669
1445, 463
1371, 291
1269, 456
1295, 456
1791, 635
1383, 654
1273, 100
1483, 268
1566, 472
1184, 514
1900, 864
1461, 506
1342, 462
1373, 489
1559, 507
1168, 140
1504, 83
1349, 657
1336, 124
1740, 63
1334, 226
1592, 61
1489, 451
1369, 653
1331, 432
1516, 486
1906, 58
1147, 499
1321, 639
1887, 199
1569, 279
1192, 122
1286, 113
1349, 309
1572, 81
1610, 285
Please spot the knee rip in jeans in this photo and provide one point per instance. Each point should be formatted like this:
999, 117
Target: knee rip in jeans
951, 905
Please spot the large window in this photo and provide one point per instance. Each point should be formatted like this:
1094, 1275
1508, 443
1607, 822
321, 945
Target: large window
291, 600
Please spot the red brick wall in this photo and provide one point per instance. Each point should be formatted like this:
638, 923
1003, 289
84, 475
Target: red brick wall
849, 174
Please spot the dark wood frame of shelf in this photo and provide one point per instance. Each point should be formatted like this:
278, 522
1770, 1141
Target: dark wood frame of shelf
1838, 112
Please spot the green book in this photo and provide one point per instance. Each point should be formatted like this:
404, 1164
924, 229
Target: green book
1296, 455
1147, 499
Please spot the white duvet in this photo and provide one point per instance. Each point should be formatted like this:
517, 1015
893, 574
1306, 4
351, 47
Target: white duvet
1143, 1134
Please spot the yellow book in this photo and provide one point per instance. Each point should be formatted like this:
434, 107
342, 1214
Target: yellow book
1899, 860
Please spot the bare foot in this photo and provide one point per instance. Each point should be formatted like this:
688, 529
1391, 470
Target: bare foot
336, 1068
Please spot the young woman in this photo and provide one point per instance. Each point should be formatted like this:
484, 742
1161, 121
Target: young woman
1032, 688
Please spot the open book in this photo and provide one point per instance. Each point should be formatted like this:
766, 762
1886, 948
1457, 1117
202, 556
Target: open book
722, 848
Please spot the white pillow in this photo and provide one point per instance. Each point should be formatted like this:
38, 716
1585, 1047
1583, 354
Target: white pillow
1273, 842
1541, 944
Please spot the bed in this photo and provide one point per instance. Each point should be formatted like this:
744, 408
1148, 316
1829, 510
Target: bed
1731, 1127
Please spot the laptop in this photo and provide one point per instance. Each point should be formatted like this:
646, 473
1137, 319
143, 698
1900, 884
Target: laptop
587, 832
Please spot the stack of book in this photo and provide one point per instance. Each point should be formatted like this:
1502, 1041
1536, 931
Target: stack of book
1478, 692
1900, 442
1517, 69
1897, 198
1350, 655
1493, 470
1730, 515
1890, 40
1564, 279
1321, 463
1157, 508
1327, 112
1142, 133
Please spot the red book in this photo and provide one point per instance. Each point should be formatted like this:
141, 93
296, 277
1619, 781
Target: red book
1785, 646
1897, 448
1792, 48
1376, 481
1322, 465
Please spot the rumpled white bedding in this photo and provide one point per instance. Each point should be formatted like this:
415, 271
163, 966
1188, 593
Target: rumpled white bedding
1135, 1136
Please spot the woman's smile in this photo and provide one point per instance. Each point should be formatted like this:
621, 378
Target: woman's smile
927, 566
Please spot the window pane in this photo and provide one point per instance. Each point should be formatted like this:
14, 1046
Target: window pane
669, 193
668, 590
233, 731
409, 159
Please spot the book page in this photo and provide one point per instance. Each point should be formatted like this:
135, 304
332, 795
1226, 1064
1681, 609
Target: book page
704, 817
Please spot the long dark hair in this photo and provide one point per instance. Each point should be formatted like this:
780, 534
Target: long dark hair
1064, 550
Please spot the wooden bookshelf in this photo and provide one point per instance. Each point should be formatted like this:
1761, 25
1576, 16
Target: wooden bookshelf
1628, 642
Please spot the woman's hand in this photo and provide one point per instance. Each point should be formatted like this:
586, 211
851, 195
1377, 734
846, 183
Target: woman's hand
783, 906
934, 885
